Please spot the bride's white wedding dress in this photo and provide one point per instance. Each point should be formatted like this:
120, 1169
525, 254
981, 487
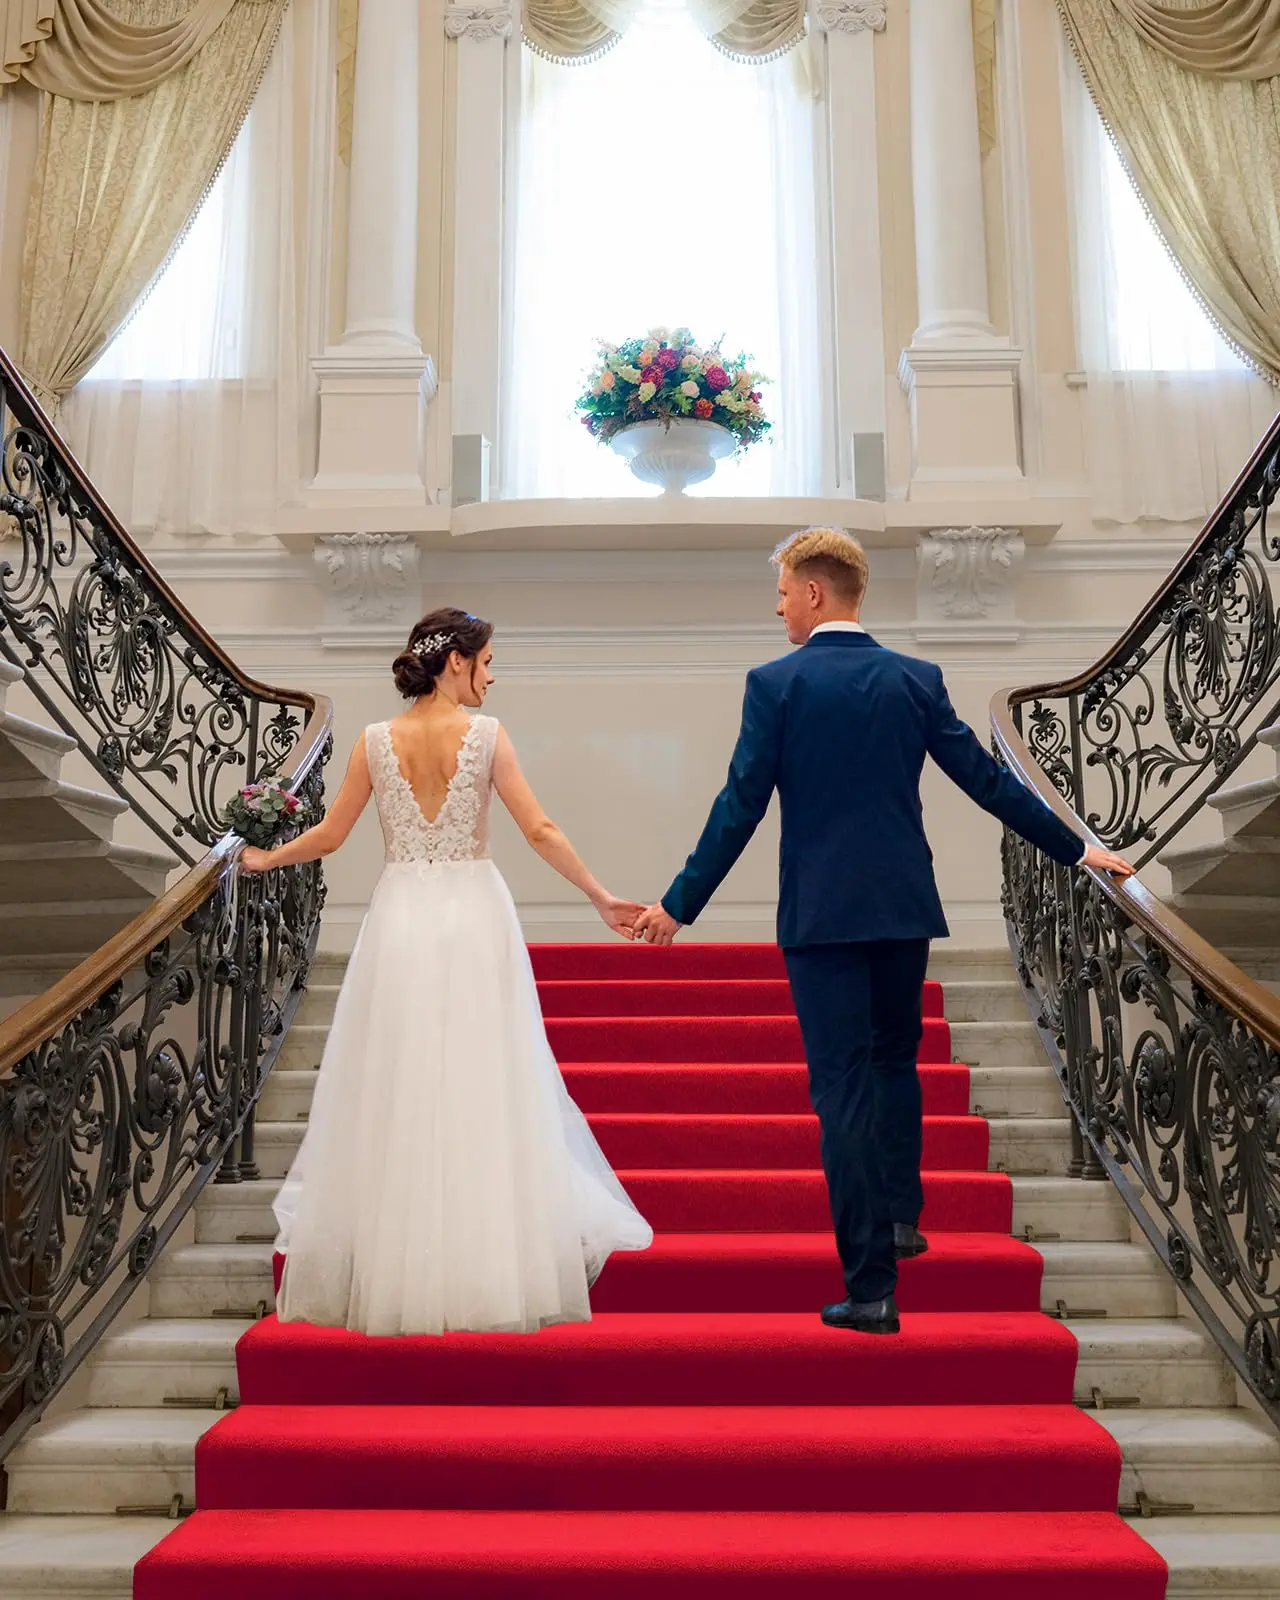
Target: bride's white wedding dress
446, 1180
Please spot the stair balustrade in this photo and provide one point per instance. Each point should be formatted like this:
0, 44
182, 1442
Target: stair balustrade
132, 1081
1167, 1052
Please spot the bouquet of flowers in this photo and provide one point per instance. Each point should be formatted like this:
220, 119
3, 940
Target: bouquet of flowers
262, 813
667, 376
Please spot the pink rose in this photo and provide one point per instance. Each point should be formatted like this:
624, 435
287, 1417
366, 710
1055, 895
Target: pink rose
717, 378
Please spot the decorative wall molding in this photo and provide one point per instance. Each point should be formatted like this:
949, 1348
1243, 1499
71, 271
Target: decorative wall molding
369, 579
968, 575
850, 16
478, 22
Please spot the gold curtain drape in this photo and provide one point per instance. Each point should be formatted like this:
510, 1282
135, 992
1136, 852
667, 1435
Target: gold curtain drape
577, 31
118, 180
87, 50
1201, 145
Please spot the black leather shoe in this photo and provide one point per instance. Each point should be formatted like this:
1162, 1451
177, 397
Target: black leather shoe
908, 1241
864, 1316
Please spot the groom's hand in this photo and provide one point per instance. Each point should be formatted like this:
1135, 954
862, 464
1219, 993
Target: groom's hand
656, 926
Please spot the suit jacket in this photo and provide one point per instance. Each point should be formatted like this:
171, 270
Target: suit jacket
841, 728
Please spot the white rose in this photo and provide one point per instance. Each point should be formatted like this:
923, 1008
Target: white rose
690, 389
691, 363
659, 335
647, 391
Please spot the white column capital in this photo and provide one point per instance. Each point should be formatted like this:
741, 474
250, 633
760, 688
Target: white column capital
479, 22
850, 16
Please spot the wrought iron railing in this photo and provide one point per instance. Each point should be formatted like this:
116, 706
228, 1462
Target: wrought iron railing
132, 1082
1168, 1054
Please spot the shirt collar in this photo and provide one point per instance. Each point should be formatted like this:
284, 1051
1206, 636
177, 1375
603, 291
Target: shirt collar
837, 627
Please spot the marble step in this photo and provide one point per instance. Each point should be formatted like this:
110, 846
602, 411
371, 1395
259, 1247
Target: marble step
1124, 1280
1018, 1145
1155, 1361
98, 1460
101, 1459
1053, 1208
1228, 1557
978, 1044
212, 1280
947, 964
74, 1558
92, 1558
168, 1361
30, 749
966, 1000
1215, 1462
994, 1092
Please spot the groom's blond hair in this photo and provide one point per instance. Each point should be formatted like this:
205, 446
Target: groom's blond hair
830, 554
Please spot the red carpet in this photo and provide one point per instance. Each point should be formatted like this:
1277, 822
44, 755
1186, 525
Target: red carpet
704, 1433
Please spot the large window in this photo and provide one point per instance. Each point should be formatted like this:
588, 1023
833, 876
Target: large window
1168, 411
1159, 325
663, 185
191, 324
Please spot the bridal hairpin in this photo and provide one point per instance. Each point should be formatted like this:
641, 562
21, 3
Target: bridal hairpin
433, 643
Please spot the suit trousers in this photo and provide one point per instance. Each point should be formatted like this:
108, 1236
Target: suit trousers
859, 1007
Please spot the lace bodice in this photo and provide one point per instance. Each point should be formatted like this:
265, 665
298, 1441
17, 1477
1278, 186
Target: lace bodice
460, 831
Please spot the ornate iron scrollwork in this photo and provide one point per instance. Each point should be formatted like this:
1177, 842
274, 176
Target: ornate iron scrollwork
1174, 1098
113, 658
113, 1117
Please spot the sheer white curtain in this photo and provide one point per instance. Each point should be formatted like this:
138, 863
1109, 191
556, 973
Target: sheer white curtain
700, 214
1169, 411
190, 421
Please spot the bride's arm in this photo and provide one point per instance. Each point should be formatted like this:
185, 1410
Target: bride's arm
550, 843
328, 834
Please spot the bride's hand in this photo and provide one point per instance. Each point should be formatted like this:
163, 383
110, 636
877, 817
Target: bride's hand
620, 915
252, 859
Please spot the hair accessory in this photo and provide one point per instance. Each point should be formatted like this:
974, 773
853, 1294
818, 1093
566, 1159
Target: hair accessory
432, 644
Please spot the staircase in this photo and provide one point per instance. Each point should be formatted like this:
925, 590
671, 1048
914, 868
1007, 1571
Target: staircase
66, 884
90, 1488
1229, 888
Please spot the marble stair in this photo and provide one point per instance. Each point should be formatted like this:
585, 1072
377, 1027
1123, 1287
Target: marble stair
66, 883
89, 1487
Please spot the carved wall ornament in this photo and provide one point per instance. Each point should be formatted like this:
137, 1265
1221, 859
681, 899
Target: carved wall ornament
478, 22
969, 574
850, 16
369, 577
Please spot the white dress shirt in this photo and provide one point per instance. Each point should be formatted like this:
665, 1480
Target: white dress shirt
838, 627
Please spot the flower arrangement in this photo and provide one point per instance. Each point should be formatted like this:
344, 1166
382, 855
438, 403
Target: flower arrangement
261, 813
666, 377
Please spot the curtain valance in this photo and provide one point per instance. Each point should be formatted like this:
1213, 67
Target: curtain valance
575, 31
85, 50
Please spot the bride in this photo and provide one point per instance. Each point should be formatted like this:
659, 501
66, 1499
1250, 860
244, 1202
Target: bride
446, 1180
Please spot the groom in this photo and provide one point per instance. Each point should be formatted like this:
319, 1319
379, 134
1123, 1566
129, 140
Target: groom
841, 729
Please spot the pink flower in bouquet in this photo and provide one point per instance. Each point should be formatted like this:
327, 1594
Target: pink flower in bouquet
668, 360
247, 792
291, 803
703, 409
717, 378
653, 375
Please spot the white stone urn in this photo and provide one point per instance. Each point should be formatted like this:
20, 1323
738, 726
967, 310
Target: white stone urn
673, 454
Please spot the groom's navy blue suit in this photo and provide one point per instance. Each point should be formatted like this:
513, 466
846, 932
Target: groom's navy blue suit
841, 729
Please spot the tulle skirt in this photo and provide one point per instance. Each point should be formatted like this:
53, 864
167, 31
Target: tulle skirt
446, 1180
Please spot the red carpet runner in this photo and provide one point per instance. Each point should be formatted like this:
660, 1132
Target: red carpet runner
705, 1433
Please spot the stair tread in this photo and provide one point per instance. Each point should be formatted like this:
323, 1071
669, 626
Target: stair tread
622, 1549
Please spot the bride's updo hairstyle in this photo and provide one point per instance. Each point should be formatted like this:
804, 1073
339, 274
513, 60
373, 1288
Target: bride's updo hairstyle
423, 659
